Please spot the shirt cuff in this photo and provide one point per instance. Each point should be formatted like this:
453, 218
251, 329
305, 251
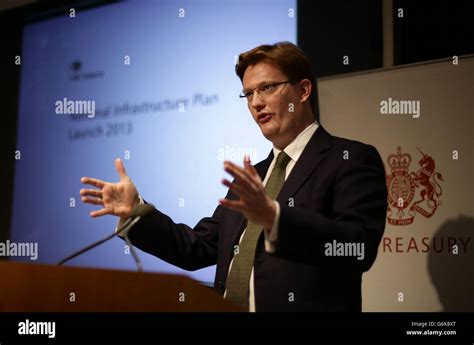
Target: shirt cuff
123, 220
272, 236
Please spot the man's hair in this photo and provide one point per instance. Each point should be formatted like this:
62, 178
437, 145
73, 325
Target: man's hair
287, 57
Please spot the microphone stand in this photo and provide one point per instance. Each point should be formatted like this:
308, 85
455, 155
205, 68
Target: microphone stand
127, 225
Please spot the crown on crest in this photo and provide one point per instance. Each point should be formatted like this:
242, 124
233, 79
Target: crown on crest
399, 161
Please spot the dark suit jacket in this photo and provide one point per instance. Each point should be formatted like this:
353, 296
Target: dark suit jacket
325, 198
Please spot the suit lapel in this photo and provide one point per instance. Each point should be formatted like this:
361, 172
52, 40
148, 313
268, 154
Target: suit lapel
311, 156
262, 168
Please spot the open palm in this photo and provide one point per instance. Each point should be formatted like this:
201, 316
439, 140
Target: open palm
117, 199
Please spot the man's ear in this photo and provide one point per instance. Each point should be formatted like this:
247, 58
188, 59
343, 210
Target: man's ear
306, 88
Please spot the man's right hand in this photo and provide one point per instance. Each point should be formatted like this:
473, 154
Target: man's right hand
117, 199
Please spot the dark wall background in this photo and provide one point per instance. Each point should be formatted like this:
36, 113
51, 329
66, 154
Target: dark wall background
433, 29
327, 30
428, 30
9, 84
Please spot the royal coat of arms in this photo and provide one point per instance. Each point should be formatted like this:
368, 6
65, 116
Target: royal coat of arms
412, 192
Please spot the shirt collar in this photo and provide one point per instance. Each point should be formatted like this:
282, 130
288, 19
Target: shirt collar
296, 147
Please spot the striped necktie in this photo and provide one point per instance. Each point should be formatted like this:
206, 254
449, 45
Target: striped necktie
238, 280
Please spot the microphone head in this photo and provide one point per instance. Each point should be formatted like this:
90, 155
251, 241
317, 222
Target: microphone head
141, 210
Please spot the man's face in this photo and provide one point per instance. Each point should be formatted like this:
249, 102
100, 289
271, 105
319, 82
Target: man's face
275, 112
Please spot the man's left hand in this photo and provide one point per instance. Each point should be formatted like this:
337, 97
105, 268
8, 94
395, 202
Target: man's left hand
254, 203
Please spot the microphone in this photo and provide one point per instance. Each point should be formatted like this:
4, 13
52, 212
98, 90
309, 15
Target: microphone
138, 212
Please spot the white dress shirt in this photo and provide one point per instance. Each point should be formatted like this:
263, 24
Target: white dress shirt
294, 151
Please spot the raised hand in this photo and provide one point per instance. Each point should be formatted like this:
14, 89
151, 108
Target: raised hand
117, 199
254, 203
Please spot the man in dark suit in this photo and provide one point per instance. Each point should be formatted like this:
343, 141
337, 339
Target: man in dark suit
297, 230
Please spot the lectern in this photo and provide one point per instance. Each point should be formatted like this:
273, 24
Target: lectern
48, 288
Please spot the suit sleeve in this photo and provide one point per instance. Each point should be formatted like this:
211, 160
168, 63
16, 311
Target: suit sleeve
178, 244
357, 216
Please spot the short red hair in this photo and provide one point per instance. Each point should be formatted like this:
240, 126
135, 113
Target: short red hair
290, 59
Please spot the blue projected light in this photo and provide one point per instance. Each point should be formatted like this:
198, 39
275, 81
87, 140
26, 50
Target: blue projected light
151, 82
